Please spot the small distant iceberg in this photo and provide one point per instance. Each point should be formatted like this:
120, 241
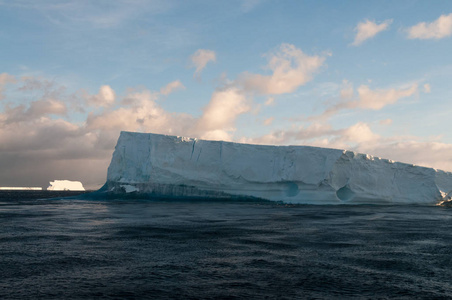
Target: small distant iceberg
65, 185
20, 188
155, 166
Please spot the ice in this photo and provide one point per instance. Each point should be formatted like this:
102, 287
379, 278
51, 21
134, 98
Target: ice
20, 188
65, 185
170, 166
129, 188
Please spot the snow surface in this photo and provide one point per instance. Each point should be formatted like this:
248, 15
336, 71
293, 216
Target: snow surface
65, 185
160, 165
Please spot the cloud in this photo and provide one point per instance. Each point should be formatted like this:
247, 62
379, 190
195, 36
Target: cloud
37, 109
368, 99
38, 133
438, 29
270, 101
36, 150
139, 112
5, 78
379, 98
360, 138
368, 29
347, 90
301, 134
427, 88
423, 153
200, 59
100, 15
172, 87
268, 121
31, 83
407, 149
358, 133
224, 107
385, 122
291, 68
106, 97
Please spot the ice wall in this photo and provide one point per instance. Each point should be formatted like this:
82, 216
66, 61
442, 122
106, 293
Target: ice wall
160, 165
65, 185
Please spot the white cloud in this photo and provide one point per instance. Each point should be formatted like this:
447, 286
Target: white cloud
368, 29
291, 68
427, 88
360, 138
423, 153
201, 58
377, 99
172, 87
217, 135
358, 133
368, 99
224, 107
106, 97
438, 29
139, 112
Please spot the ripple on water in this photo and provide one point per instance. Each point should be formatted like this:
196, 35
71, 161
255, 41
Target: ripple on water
111, 250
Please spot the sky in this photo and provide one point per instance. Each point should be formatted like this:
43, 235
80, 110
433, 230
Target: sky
368, 76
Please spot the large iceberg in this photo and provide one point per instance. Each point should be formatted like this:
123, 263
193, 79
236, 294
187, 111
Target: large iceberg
154, 165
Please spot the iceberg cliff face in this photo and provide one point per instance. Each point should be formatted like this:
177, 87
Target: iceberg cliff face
169, 166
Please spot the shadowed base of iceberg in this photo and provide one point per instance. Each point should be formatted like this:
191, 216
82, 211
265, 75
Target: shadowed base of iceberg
103, 194
177, 193
118, 191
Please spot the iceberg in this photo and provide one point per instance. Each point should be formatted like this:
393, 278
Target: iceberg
154, 165
20, 188
65, 185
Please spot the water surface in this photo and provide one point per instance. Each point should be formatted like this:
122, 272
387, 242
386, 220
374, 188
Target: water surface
54, 249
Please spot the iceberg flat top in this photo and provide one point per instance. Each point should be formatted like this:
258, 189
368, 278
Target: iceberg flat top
161, 165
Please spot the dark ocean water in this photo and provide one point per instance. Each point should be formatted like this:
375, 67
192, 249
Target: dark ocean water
74, 249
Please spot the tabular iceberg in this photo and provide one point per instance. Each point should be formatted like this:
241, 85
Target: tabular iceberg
155, 165
65, 185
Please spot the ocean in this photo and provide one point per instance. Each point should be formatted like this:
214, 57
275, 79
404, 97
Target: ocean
142, 249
